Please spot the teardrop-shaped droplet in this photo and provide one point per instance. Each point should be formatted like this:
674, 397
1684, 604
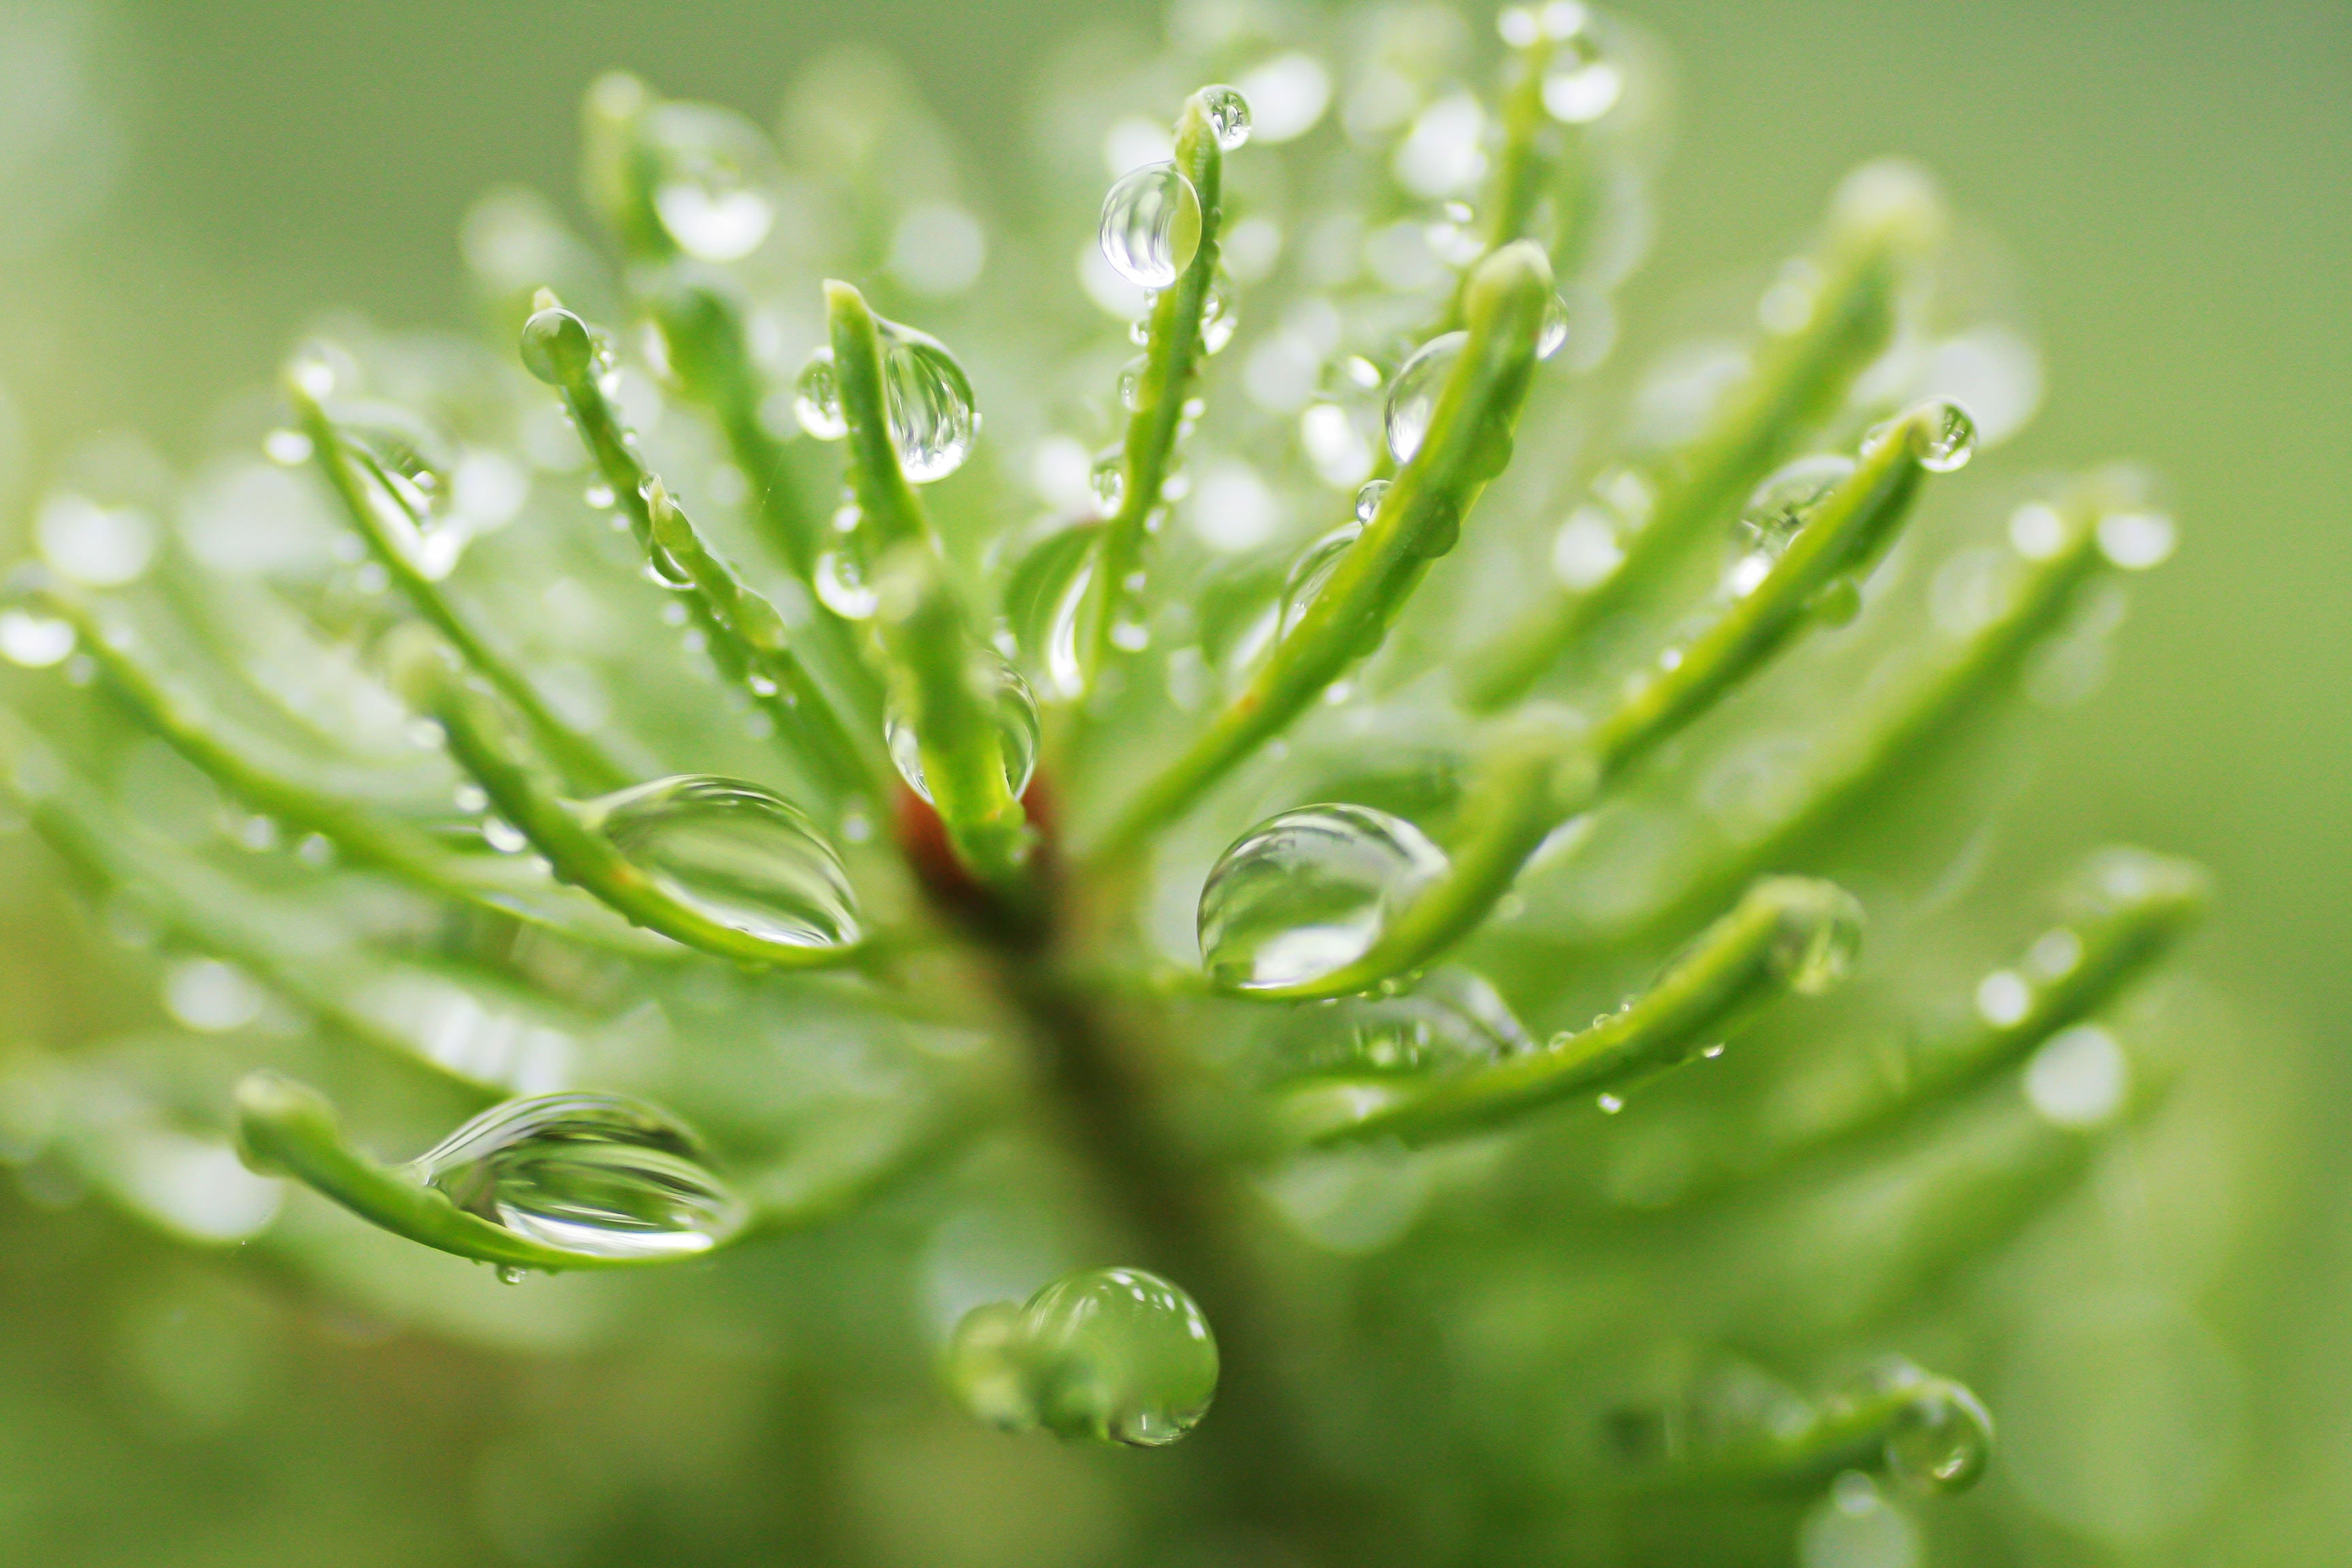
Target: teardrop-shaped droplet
736, 852
1132, 380
816, 397
1107, 479
712, 179
1412, 395
1787, 499
1312, 570
1229, 116
1118, 1355
1368, 499
557, 346
1152, 226
933, 418
1582, 84
1943, 1438
1307, 893
1552, 335
1219, 316
595, 1175
1818, 939
1016, 728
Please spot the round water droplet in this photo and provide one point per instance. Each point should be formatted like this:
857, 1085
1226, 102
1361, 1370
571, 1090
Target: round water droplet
839, 578
816, 397
1943, 1440
1229, 116
1308, 892
1107, 479
1152, 226
1818, 939
1837, 603
1311, 572
1017, 727
1118, 1355
1219, 316
1131, 382
1552, 335
510, 1275
1412, 395
595, 1175
1944, 436
556, 346
33, 642
933, 418
1787, 499
736, 852
711, 180
1368, 499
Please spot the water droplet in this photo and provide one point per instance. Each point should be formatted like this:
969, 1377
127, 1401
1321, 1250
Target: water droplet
33, 642
1107, 479
1452, 1017
287, 449
1836, 602
816, 397
510, 1275
1308, 892
933, 418
1819, 937
1152, 226
595, 1175
1943, 1440
2003, 998
1944, 436
1610, 1104
839, 578
1017, 727
2079, 1077
709, 181
1229, 116
1131, 382
2136, 541
1311, 572
410, 493
1219, 315
556, 347
735, 853
1553, 333
1412, 395
1787, 500
598, 495
1368, 499
1584, 84
1114, 1355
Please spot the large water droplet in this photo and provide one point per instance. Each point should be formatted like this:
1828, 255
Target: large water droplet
1787, 499
1943, 1438
816, 397
556, 347
839, 578
1229, 116
1016, 728
1412, 395
1311, 572
711, 182
1945, 438
736, 852
933, 418
1114, 1355
595, 1175
1307, 893
1152, 226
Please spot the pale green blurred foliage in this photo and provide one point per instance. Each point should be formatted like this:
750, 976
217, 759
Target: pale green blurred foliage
2156, 1346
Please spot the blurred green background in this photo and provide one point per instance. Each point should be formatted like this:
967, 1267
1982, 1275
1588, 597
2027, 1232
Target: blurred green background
184, 185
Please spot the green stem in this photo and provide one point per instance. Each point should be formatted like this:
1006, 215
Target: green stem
1788, 934
1848, 1432
1419, 518
580, 759
1172, 355
580, 855
886, 502
946, 688
1797, 384
750, 645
